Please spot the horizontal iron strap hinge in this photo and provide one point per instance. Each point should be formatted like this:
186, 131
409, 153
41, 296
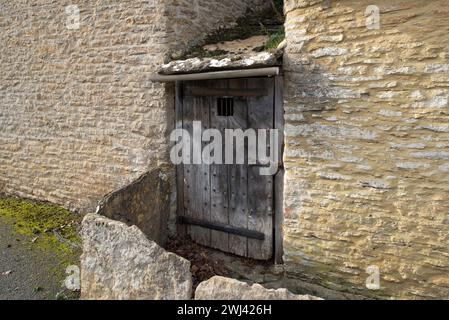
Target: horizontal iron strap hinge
222, 227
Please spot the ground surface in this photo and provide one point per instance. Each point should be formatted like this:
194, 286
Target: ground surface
34, 256
207, 262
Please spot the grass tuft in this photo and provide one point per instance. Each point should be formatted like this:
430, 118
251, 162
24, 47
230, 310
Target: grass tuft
275, 39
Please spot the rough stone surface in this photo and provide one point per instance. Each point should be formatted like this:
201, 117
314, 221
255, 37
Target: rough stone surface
144, 203
367, 145
79, 117
190, 21
221, 288
237, 61
239, 46
119, 262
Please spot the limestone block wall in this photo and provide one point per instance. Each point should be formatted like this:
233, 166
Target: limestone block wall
367, 145
78, 115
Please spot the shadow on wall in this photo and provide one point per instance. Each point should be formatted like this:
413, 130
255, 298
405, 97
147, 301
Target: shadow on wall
144, 203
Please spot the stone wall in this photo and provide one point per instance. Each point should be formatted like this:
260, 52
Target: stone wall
145, 203
367, 146
78, 115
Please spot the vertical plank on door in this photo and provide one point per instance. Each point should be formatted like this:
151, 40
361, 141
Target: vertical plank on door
197, 180
279, 178
204, 175
181, 228
237, 175
260, 187
188, 175
219, 178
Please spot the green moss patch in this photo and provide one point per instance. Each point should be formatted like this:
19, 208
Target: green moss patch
50, 227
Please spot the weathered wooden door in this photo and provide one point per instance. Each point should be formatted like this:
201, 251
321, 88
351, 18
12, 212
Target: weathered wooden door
228, 206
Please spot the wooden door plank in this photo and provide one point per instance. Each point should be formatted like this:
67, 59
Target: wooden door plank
279, 178
181, 229
260, 217
201, 193
188, 176
260, 188
197, 175
219, 180
238, 199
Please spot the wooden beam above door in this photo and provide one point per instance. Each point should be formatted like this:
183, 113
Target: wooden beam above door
227, 74
225, 92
